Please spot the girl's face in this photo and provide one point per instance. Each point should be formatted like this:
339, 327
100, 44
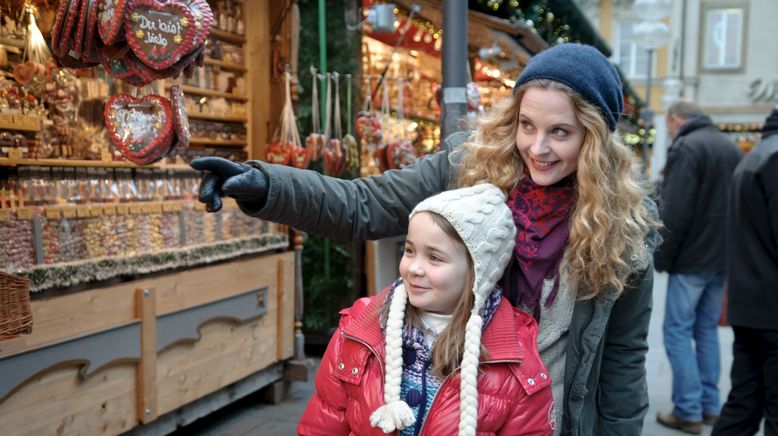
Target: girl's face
434, 266
549, 137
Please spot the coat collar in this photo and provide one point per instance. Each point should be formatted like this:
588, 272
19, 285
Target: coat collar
499, 338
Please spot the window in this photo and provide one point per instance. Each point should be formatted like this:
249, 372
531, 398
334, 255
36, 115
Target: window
632, 59
722, 44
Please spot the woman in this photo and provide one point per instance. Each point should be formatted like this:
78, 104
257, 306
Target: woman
586, 229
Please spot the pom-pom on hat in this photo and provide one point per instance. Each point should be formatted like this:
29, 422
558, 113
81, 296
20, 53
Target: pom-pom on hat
584, 69
485, 224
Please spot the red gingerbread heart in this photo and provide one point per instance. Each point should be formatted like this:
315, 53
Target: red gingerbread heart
180, 119
160, 34
141, 128
111, 20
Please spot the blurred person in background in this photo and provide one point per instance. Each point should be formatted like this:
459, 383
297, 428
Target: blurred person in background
752, 280
693, 205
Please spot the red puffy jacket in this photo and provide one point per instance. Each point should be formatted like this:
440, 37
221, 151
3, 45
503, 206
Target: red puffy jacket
514, 389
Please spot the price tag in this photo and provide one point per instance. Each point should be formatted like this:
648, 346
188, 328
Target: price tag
69, 212
156, 207
15, 154
5, 215
53, 213
106, 156
145, 208
135, 209
95, 210
24, 213
109, 210
122, 209
167, 207
83, 211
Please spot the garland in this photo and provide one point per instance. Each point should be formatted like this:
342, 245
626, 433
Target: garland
84, 271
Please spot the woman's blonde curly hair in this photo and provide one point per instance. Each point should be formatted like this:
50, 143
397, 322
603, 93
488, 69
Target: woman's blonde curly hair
610, 223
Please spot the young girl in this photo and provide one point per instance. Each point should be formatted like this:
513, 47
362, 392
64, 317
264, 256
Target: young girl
440, 349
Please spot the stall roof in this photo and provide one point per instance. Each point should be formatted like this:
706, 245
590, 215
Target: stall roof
481, 27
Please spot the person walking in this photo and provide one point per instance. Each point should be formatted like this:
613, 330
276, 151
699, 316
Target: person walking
752, 279
693, 208
430, 354
582, 263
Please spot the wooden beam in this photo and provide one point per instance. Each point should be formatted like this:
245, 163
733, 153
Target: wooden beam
147, 368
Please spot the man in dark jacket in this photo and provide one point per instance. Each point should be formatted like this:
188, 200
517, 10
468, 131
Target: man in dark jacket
693, 207
752, 270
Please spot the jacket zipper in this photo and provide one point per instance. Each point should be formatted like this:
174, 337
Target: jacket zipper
426, 420
377, 357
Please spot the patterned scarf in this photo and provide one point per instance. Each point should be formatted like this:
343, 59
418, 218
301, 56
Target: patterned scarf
542, 216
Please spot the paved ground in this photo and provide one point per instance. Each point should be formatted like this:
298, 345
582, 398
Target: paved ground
249, 417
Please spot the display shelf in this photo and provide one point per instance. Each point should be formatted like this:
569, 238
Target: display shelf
207, 117
227, 36
225, 65
218, 142
210, 92
4, 161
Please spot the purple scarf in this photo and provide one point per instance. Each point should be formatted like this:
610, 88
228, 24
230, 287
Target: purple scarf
542, 217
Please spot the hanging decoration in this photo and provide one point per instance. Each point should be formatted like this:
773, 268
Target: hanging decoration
286, 148
335, 157
314, 143
349, 141
136, 41
369, 131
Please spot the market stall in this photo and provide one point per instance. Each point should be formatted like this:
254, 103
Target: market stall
145, 309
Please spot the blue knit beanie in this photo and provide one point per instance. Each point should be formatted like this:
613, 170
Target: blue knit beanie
584, 69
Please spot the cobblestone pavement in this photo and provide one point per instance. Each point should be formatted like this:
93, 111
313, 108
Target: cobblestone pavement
248, 417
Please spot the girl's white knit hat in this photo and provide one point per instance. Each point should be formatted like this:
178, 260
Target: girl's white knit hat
485, 224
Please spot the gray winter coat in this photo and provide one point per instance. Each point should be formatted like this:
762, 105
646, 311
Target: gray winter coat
605, 377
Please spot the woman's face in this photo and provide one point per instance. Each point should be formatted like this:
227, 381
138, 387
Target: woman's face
549, 137
434, 266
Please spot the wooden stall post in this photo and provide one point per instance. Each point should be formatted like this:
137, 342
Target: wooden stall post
147, 367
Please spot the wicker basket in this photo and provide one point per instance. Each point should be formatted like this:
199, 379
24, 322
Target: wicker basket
15, 314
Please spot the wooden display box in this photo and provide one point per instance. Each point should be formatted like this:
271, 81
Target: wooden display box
106, 360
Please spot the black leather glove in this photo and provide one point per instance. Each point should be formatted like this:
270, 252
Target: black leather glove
242, 182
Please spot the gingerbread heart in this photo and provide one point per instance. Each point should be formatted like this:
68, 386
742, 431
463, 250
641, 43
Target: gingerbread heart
111, 20
129, 69
180, 119
203, 19
66, 30
78, 34
139, 127
91, 28
159, 34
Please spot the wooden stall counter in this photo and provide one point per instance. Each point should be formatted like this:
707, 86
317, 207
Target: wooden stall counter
163, 350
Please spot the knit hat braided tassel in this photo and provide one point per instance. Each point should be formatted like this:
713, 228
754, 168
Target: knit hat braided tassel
395, 414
